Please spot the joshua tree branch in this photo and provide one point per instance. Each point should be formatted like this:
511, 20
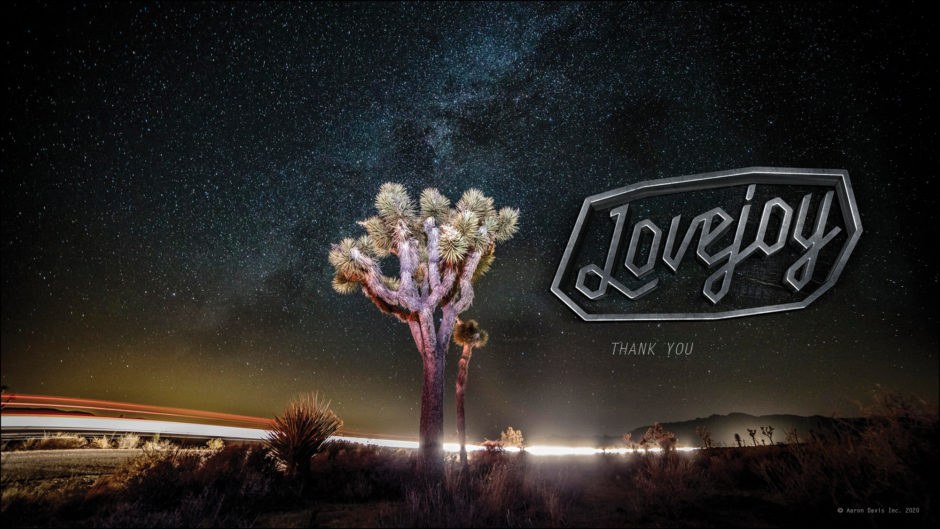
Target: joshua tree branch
446, 330
466, 282
408, 262
386, 307
372, 278
434, 256
444, 286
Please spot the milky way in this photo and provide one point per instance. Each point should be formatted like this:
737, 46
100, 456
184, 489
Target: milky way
173, 175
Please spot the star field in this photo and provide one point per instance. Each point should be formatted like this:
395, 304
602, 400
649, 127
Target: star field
173, 175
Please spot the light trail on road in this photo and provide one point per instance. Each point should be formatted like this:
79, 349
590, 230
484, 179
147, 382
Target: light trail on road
24, 401
250, 428
14, 404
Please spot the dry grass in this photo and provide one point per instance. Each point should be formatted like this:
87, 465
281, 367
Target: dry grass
101, 442
53, 464
128, 441
68, 441
56, 441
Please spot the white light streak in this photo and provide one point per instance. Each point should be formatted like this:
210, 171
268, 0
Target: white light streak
110, 424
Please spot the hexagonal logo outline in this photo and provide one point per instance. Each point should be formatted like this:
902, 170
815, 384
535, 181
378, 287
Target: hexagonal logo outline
837, 179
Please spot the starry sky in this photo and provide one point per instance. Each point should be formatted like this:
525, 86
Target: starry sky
173, 175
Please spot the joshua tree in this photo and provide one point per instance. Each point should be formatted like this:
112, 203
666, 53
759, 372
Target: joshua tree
753, 434
737, 439
705, 435
441, 251
469, 335
768, 432
793, 437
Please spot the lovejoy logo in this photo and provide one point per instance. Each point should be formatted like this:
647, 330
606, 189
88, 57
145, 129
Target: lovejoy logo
710, 246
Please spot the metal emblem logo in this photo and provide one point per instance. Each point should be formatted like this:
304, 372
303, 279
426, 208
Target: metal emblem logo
766, 240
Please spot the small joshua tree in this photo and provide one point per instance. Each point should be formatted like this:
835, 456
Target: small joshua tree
753, 434
768, 432
737, 439
705, 435
299, 433
469, 335
441, 251
793, 437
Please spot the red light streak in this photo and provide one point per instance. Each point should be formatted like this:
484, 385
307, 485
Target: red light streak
20, 400
123, 407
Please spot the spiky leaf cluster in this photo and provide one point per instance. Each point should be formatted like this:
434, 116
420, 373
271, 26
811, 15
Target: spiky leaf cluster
347, 257
473, 200
299, 433
351, 259
506, 224
453, 245
472, 225
486, 261
393, 203
470, 333
434, 204
343, 285
393, 283
381, 241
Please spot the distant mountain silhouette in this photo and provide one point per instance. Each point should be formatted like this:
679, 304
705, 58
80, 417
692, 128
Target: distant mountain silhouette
722, 428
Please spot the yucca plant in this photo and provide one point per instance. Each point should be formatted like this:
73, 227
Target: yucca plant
299, 433
441, 251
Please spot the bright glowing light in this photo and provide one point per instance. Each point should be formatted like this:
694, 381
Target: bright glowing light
111, 424
47, 423
563, 450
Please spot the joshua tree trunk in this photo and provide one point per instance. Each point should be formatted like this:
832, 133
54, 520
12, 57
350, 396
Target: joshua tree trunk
431, 428
432, 414
468, 335
462, 369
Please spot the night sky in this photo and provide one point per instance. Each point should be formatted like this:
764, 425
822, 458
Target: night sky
173, 175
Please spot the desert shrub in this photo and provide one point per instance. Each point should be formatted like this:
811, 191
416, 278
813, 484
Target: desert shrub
56, 441
186, 488
157, 477
128, 441
512, 493
663, 483
158, 445
346, 471
511, 437
493, 453
101, 442
36, 501
299, 433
